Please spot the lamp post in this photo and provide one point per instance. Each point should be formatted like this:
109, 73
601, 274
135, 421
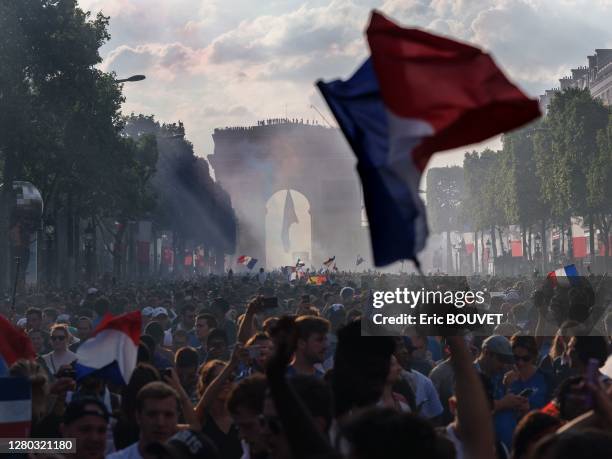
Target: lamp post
89, 240
488, 245
49, 230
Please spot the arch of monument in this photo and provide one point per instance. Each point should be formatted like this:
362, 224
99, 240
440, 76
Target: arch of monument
253, 163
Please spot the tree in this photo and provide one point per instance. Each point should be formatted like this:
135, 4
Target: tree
444, 197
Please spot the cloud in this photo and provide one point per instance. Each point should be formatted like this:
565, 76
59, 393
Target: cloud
213, 63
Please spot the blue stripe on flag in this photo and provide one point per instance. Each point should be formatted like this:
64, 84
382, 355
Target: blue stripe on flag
15, 389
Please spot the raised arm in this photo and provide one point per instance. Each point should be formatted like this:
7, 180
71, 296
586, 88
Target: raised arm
214, 388
472, 408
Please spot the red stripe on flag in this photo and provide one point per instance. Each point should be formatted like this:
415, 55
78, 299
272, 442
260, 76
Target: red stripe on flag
129, 323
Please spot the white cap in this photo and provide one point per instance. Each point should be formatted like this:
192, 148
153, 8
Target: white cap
63, 318
147, 311
92, 291
159, 311
21, 323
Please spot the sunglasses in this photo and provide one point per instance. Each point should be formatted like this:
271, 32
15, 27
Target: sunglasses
273, 423
524, 358
58, 338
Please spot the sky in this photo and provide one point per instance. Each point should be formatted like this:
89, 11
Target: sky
217, 63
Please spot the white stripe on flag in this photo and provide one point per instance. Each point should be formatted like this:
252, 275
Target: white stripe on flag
15, 411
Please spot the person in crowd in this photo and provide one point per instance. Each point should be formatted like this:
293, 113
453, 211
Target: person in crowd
531, 428
391, 399
49, 318
157, 411
86, 421
245, 404
525, 377
60, 355
203, 325
495, 356
214, 387
187, 319
185, 444
426, 399
582, 349
187, 363
179, 340
162, 357
84, 330
219, 308
217, 345
311, 346
126, 431
34, 319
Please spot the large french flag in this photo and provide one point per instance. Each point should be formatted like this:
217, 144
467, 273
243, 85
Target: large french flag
14, 345
417, 94
15, 407
111, 353
564, 277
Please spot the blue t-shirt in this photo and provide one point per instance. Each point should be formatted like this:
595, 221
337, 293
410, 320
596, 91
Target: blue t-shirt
506, 421
291, 372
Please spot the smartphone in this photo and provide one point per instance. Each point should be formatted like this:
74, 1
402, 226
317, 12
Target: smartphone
269, 303
526, 392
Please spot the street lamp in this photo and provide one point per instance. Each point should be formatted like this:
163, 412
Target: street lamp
130, 79
88, 237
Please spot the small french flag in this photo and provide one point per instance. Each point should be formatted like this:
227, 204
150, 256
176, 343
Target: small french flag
564, 277
250, 262
112, 351
15, 407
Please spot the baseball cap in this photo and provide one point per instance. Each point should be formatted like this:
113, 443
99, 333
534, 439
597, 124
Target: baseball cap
159, 311
500, 346
185, 444
86, 406
92, 291
147, 311
63, 318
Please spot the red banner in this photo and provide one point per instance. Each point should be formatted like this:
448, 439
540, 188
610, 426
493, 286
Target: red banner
517, 249
143, 252
469, 248
602, 247
580, 246
167, 256
188, 260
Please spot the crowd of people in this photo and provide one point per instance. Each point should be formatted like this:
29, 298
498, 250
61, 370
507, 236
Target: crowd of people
239, 366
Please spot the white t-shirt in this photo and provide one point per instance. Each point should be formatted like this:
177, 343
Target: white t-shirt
55, 362
131, 452
607, 368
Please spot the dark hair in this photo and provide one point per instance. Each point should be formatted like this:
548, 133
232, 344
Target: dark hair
591, 443
52, 312
156, 390
209, 318
144, 354
149, 342
308, 325
530, 429
591, 347
207, 373
383, 432
155, 331
249, 393
525, 342
36, 311
187, 357
220, 304
188, 307
316, 395
142, 375
215, 334
102, 306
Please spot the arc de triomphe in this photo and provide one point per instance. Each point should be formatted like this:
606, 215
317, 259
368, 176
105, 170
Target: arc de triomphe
253, 163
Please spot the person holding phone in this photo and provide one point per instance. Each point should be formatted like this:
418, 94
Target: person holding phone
526, 379
60, 355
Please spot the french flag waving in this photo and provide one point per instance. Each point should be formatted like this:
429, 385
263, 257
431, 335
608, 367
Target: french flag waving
417, 94
564, 277
112, 351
